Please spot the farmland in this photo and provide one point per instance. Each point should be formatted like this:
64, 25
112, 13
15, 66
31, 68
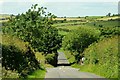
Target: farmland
91, 21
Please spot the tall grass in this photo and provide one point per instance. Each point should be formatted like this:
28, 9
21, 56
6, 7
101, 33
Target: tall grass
102, 58
9, 40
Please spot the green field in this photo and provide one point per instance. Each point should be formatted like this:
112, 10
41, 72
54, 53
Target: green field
91, 21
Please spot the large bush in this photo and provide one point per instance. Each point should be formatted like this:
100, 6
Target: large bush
34, 26
18, 56
80, 39
104, 55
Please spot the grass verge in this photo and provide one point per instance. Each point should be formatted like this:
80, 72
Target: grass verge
38, 74
68, 55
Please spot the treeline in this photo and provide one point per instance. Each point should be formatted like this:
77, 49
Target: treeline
33, 27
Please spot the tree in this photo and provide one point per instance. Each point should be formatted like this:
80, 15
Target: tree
79, 17
109, 14
35, 27
80, 39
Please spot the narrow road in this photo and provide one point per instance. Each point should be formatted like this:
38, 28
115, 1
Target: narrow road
67, 71
62, 59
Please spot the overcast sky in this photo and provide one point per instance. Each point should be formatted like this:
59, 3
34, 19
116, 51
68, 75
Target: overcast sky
71, 8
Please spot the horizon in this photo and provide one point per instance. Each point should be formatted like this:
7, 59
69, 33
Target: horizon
61, 9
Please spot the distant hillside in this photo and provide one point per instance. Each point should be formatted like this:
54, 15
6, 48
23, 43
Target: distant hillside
4, 17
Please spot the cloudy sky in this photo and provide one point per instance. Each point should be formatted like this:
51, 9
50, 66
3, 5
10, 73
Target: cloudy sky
69, 8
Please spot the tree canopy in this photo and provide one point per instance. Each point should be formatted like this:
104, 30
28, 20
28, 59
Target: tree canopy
35, 27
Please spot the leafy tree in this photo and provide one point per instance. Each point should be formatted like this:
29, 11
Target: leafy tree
109, 14
80, 39
51, 40
34, 27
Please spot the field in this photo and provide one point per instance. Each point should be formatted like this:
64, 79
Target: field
91, 21
4, 17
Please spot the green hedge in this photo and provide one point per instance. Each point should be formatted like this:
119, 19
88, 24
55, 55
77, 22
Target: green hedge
103, 57
78, 40
18, 56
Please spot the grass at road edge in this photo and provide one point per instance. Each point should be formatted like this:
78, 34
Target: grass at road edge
68, 55
95, 69
38, 74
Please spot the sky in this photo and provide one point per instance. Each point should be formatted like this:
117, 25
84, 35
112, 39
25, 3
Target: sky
61, 8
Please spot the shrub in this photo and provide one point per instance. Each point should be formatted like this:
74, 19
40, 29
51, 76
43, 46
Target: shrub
107, 31
9, 73
80, 39
51, 59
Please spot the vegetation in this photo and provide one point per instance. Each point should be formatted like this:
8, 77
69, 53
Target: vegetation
37, 74
34, 27
102, 57
41, 59
51, 59
23, 36
69, 55
80, 39
31, 40
100, 54
18, 57
9, 74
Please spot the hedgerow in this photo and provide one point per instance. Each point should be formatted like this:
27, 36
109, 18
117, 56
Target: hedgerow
18, 56
78, 40
103, 57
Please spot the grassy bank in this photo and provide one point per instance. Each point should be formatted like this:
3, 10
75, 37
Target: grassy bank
19, 60
68, 55
101, 58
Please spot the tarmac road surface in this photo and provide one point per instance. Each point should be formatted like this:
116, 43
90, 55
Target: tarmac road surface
67, 71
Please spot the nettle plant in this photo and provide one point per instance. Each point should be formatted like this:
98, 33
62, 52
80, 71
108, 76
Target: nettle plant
35, 27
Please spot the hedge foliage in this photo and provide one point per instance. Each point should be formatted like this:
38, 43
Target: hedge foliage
18, 56
107, 31
52, 59
104, 55
78, 40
